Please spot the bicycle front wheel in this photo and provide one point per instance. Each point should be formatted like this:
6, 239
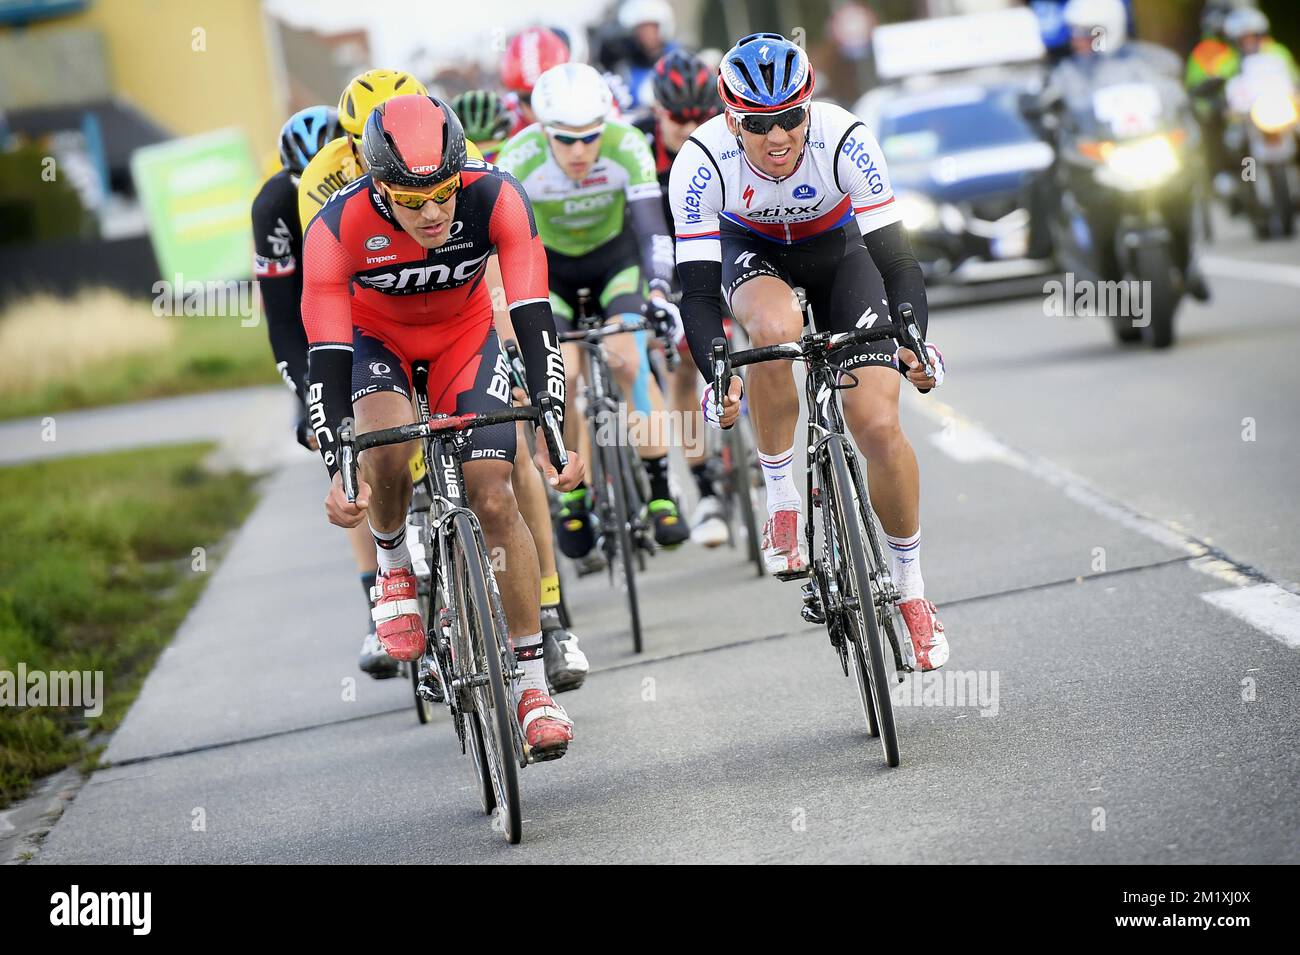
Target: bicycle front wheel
865, 645
740, 485
492, 706
616, 486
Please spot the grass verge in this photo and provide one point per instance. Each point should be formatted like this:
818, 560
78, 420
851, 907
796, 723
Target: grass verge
97, 571
102, 348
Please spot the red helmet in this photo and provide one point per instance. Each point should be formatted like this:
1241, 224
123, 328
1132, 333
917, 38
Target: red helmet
413, 141
530, 54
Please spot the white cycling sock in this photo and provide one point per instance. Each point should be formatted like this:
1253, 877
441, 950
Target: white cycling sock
778, 477
905, 565
391, 552
528, 651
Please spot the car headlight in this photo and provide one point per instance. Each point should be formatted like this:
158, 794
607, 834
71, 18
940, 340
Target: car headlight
1139, 164
1274, 112
919, 212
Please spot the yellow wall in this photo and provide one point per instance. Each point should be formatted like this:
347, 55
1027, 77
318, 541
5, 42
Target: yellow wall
155, 66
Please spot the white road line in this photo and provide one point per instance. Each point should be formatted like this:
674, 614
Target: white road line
1260, 271
1267, 605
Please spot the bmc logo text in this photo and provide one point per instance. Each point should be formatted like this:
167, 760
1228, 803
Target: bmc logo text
422, 278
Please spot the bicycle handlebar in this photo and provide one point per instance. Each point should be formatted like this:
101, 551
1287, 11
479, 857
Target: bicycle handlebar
350, 446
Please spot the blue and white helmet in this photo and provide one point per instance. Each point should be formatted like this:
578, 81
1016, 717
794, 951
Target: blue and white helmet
765, 72
305, 133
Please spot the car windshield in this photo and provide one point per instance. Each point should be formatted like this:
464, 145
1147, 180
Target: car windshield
921, 131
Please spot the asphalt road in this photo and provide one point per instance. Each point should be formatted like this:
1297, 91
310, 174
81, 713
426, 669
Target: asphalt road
1106, 550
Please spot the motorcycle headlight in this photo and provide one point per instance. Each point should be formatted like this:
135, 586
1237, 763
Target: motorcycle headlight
1140, 164
1273, 113
919, 212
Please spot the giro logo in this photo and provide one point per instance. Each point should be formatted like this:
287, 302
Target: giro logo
378, 368
377, 242
423, 170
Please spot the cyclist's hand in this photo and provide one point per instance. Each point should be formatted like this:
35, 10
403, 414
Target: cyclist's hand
668, 319
730, 404
573, 474
306, 437
916, 371
340, 510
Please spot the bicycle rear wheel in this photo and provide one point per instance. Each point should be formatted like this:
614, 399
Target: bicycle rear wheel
865, 644
493, 708
616, 486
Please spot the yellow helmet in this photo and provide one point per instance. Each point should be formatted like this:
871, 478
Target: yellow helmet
368, 90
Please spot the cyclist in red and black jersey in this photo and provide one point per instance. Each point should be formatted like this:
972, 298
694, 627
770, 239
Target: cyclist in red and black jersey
395, 274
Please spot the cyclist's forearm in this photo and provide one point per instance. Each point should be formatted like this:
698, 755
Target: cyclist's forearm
285, 331
646, 216
900, 270
329, 397
539, 347
701, 310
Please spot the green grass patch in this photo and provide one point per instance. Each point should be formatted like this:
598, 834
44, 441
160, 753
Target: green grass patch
96, 573
102, 348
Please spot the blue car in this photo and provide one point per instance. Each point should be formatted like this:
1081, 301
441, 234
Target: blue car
967, 170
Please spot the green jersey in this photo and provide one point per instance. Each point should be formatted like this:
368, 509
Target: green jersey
573, 218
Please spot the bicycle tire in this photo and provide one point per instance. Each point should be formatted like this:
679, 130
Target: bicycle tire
614, 468
493, 707
739, 484
870, 670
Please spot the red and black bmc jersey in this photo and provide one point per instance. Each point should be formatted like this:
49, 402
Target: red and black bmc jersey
363, 270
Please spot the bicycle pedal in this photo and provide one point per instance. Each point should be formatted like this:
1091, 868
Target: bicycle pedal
793, 574
546, 755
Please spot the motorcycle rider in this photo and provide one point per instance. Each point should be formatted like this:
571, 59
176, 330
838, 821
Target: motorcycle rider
1102, 55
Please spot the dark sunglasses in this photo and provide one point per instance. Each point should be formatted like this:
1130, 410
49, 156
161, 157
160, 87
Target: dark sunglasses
567, 140
760, 124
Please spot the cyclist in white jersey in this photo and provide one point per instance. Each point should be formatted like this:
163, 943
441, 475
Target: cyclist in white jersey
780, 193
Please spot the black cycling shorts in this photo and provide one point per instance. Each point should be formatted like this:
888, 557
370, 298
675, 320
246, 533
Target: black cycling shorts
612, 273
836, 272
471, 375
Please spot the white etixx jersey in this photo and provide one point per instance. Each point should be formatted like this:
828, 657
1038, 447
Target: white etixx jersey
840, 177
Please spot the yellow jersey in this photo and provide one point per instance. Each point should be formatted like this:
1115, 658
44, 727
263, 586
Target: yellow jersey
330, 170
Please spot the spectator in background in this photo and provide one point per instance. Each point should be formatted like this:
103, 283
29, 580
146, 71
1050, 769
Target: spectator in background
646, 35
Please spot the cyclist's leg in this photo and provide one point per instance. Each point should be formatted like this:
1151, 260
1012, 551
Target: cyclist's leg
857, 299
622, 299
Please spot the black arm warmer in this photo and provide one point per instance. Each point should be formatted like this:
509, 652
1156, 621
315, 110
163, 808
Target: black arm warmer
904, 282
329, 398
280, 298
647, 219
539, 347
701, 308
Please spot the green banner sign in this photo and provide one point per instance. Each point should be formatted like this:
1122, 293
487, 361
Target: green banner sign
196, 194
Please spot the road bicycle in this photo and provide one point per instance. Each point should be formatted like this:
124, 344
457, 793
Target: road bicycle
849, 587
468, 662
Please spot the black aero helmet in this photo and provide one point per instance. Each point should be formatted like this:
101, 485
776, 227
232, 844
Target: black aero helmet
483, 115
413, 141
686, 87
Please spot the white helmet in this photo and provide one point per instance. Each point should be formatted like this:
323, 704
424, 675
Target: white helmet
1244, 21
1107, 15
633, 13
571, 94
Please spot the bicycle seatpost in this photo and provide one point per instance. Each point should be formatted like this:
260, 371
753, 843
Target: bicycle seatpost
721, 375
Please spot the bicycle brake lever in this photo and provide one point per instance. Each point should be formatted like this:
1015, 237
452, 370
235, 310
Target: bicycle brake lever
551, 432
913, 339
721, 376
348, 463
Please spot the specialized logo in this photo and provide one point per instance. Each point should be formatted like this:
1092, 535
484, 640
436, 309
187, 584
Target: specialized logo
746, 260
377, 242
804, 191
748, 195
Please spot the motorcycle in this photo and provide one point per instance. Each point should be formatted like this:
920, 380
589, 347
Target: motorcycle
1126, 154
1262, 116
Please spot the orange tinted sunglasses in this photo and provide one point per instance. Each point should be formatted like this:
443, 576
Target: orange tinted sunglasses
440, 194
